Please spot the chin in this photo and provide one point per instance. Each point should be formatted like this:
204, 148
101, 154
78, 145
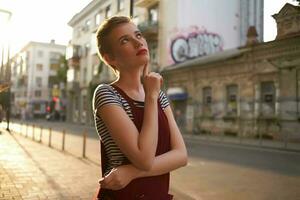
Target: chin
143, 59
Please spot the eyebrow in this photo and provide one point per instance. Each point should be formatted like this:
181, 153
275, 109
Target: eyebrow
124, 36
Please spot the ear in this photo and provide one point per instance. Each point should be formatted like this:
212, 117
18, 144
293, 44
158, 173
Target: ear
109, 59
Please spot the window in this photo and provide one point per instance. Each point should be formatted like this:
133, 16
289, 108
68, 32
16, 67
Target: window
40, 54
38, 81
37, 93
37, 107
77, 32
97, 19
153, 51
87, 48
54, 60
108, 11
84, 75
153, 14
120, 5
267, 98
39, 67
207, 100
231, 99
87, 25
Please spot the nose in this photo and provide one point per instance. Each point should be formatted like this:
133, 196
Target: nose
137, 43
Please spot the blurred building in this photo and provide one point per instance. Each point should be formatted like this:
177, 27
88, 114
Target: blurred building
34, 78
195, 28
176, 31
248, 91
86, 70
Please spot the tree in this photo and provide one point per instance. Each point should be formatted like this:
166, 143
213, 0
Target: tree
62, 70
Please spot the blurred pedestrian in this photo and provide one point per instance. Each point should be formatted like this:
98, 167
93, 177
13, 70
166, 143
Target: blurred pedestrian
140, 140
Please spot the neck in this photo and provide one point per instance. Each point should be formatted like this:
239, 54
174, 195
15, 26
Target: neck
130, 81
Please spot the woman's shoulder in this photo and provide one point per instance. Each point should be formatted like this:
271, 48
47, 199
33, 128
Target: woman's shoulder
104, 89
105, 94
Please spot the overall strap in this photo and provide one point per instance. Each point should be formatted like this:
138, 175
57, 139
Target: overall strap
125, 96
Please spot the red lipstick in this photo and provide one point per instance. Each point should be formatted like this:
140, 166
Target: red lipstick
142, 52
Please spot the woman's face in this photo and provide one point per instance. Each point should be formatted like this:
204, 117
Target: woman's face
129, 48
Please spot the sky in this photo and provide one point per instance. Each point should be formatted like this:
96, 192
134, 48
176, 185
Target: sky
43, 20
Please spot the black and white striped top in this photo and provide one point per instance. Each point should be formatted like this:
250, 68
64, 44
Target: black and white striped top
106, 94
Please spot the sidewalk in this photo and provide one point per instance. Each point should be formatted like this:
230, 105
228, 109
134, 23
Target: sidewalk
32, 171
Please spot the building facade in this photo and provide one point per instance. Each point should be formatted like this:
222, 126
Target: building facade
176, 31
33, 75
247, 91
86, 70
195, 28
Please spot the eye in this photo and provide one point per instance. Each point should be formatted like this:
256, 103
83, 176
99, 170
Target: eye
139, 35
124, 40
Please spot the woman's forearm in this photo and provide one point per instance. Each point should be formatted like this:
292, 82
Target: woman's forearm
147, 141
165, 163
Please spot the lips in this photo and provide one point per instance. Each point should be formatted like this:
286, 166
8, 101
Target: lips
142, 52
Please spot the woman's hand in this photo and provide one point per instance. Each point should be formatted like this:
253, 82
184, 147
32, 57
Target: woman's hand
119, 177
152, 82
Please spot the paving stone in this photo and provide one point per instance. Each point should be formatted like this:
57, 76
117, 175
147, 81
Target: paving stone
32, 171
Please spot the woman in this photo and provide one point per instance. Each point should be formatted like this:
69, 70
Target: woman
140, 140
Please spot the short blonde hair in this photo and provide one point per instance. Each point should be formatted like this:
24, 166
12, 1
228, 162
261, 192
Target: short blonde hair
103, 42
105, 29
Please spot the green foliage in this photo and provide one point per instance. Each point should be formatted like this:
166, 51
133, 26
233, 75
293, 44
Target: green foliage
62, 70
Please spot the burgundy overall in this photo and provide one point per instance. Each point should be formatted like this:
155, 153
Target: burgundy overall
146, 188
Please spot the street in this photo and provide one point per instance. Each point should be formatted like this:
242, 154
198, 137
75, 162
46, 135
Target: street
215, 170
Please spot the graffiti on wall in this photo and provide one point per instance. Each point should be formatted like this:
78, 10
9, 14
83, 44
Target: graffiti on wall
195, 44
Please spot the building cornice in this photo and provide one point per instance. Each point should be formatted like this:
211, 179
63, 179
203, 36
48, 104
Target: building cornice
95, 4
33, 43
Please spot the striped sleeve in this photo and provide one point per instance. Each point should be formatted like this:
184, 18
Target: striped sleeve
104, 95
164, 102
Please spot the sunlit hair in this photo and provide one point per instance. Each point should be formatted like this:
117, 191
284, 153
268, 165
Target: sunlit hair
103, 42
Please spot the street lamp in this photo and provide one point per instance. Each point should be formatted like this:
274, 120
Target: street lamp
4, 86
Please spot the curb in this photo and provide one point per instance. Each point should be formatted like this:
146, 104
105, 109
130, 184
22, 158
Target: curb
237, 144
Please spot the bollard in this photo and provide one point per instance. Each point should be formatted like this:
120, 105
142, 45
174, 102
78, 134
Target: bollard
26, 130
63, 140
33, 127
41, 134
50, 135
84, 143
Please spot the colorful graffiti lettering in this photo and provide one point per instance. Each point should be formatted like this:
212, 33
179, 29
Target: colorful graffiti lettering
196, 44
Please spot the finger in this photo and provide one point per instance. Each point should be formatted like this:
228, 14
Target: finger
108, 178
146, 70
100, 180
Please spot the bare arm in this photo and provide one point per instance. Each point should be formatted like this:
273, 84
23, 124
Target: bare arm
169, 161
173, 159
139, 148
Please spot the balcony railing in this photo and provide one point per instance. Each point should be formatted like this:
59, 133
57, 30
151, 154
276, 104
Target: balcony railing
73, 54
149, 29
73, 51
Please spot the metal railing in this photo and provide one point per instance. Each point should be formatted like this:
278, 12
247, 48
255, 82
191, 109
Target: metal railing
76, 145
